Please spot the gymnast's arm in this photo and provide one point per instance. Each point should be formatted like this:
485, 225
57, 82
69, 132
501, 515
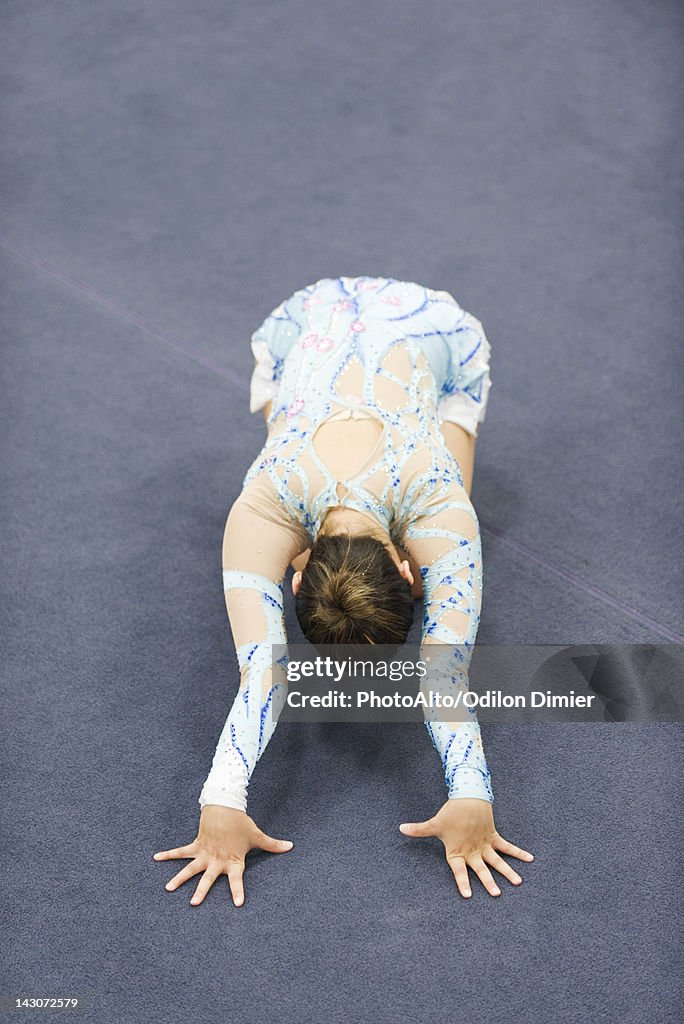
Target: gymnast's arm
444, 541
461, 444
259, 544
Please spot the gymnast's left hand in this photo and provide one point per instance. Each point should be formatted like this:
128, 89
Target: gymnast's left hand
467, 831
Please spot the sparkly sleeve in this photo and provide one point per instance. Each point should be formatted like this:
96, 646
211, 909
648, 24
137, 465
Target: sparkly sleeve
270, 345
464, 391
257, 549
444, 540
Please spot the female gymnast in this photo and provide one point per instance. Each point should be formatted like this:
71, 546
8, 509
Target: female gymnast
373, 390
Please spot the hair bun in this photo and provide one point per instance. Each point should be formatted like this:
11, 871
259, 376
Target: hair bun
351, 593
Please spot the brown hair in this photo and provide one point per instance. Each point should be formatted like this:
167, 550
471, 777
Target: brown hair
351, 593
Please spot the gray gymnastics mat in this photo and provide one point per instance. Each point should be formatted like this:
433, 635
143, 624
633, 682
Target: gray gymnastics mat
169, 173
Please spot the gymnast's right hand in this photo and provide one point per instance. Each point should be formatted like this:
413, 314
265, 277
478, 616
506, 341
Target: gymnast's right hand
224, 839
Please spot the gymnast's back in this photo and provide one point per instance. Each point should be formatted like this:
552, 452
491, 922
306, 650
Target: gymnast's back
391, 351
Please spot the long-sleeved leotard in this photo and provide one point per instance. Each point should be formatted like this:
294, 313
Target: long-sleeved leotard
407, 357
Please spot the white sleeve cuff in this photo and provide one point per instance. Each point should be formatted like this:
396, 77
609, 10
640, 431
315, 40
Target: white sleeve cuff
463, 409
470, 784
226, 783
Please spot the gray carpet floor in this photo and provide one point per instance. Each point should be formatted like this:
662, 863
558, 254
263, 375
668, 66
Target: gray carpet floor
169, 173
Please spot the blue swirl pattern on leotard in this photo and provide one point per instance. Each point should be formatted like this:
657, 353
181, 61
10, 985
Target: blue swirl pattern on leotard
310, 339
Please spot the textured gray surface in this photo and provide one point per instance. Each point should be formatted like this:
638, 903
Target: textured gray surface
168, 175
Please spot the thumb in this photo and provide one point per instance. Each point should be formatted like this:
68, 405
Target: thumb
272, 845
417, 828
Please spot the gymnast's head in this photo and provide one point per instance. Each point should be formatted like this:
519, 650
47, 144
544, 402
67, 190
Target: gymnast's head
354, 590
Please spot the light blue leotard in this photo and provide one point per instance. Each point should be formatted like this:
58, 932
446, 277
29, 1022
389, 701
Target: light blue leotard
409, 357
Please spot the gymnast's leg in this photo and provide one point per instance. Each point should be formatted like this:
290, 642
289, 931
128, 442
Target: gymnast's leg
461, 444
